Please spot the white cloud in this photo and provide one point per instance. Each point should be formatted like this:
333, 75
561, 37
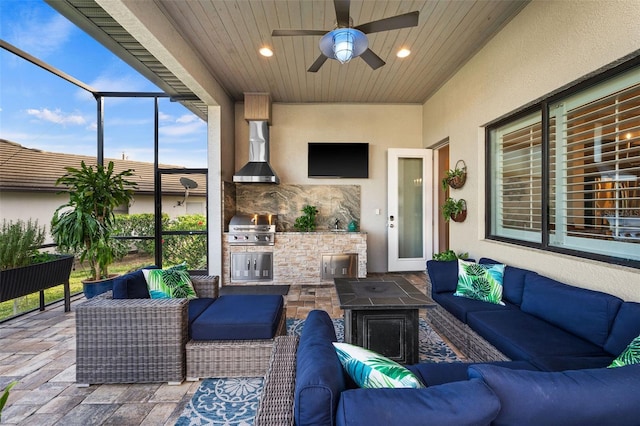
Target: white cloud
164, 116
182, 129
57, 116
40, 35
187, 118
108, 83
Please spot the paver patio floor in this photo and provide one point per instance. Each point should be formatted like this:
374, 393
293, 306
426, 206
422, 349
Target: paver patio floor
38, 350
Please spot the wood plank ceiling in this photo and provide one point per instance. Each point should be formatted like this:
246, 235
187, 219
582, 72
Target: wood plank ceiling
227, 34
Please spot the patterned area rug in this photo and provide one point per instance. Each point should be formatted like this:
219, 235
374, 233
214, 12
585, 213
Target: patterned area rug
234, 401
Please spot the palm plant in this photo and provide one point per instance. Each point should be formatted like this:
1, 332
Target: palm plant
84, 225
5, 396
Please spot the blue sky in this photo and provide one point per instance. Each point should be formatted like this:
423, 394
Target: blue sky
39, 110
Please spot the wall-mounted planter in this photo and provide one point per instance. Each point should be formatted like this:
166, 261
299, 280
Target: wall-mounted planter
455, 210
456, 177
460, 217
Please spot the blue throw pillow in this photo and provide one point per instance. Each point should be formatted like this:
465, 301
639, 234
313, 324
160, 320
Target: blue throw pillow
443, 275
130, 286
602, 396
625, 328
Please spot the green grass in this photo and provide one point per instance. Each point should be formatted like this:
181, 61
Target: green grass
32, 301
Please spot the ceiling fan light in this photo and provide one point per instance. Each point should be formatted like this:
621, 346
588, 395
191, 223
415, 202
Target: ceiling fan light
335, 44
343, 41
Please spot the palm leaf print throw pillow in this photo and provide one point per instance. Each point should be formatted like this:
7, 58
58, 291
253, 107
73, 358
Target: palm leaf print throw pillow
173, 282
631, 355
480, 281
372, 370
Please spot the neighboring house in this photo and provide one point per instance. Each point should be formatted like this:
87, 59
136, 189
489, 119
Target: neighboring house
28, 189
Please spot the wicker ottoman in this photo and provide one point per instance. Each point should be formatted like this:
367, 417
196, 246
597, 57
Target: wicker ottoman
231, 358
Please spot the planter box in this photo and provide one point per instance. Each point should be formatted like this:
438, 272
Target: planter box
18, 282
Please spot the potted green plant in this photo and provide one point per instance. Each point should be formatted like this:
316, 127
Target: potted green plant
449, 255
306, 222
455, 210
456, 177
23, 268
84, 225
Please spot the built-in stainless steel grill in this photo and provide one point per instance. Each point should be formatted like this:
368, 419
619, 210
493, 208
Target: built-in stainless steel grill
253, 230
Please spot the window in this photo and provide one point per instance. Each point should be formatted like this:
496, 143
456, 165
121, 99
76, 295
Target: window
592, 173
516, 179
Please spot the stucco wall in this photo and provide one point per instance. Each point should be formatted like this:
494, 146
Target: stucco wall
547, 46
382, 126
40, 206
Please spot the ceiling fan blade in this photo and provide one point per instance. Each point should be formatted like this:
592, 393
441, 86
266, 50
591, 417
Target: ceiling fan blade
280, 33
393, 23
317, 64
342, 12
372, 59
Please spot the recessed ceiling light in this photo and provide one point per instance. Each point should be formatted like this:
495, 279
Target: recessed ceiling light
265, 51
403, 53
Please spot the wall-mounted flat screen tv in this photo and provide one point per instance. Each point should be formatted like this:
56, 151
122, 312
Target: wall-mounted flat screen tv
338, 160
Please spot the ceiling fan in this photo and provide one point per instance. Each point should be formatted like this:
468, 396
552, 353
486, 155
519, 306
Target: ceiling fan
345, 41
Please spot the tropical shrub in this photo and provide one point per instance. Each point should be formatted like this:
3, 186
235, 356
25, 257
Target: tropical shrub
191, 249
176, 249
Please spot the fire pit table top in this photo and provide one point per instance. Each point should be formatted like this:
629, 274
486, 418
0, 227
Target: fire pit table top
390, 292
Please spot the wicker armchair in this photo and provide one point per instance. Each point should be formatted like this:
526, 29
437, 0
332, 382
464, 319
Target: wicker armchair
135, 340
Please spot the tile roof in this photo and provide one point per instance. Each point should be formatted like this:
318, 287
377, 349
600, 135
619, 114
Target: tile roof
34, 170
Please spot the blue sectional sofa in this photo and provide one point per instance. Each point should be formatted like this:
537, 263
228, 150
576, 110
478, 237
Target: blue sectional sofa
552, 325
499, 393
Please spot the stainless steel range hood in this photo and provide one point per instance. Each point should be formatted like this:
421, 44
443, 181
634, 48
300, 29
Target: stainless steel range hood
258, 168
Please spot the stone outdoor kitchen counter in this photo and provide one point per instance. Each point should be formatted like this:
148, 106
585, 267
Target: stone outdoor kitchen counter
297, 256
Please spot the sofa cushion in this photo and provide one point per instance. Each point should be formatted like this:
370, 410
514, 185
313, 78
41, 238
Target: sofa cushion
174, 282
196, 307
443, 275
569, 362
369, 369
239, 317
461, 403
625, 328
585, 313
480, 281
631, 354
582, 397
131, 286
512, 283
437, 373
320, 377
521, 336
460, 307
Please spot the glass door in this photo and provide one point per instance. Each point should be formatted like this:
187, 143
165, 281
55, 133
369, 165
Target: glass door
409, 224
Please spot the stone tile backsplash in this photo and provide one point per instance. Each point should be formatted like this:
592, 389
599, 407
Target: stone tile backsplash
333, 202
